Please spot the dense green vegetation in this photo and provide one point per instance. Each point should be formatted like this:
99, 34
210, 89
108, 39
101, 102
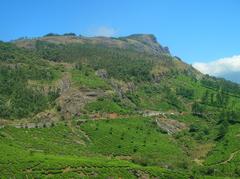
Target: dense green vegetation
18, 67
113, 60
105, 105
193, 133
86, 77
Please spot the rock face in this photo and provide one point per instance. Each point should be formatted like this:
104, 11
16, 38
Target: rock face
102, 73
46, 117
170, 126
34, 125
150, 41
121, 88
64, 84
71, 102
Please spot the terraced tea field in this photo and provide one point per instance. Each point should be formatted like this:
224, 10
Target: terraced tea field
58, 151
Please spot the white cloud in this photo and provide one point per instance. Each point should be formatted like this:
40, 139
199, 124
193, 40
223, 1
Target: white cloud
220, 67
103, 31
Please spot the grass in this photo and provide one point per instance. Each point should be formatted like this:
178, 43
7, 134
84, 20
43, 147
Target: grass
224, 159
135, 137
59, 139
105, 105
87, 78
226, 147
54, 153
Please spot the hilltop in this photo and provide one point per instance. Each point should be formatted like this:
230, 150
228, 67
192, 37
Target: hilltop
138, 42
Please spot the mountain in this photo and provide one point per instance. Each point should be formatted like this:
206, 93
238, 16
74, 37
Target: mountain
233, 76
74, 107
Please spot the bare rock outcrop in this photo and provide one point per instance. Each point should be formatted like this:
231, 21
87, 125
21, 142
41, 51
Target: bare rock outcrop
46, 116
64, 84
71, 102
169, 125
121, 88
102, 73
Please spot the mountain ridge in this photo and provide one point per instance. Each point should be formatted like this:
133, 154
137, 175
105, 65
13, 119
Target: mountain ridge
141, 42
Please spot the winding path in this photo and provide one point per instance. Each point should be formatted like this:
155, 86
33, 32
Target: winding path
232, 155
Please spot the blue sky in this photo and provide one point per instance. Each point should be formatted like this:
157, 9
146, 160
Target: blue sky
195, 30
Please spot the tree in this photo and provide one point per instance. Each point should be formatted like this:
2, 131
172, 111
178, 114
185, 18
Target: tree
205, 97
197, 109
212, 98
185, 92
223, 129
193, 128
51, 34
70, 34
221, 98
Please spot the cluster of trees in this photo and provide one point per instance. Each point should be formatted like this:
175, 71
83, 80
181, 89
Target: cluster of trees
10, 53
173, 100
185, 92
124, 64
49, 51
219, 99
226, 118
17, 98
197, 109
219, 83
55, 34
230, 116
150, 90
120, 64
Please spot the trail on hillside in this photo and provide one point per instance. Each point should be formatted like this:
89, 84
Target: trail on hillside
232, 155
73, 129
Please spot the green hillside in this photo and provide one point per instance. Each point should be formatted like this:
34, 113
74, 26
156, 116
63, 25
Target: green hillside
78, 107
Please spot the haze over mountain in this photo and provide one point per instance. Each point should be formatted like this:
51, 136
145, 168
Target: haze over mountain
233, 76
228, 68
